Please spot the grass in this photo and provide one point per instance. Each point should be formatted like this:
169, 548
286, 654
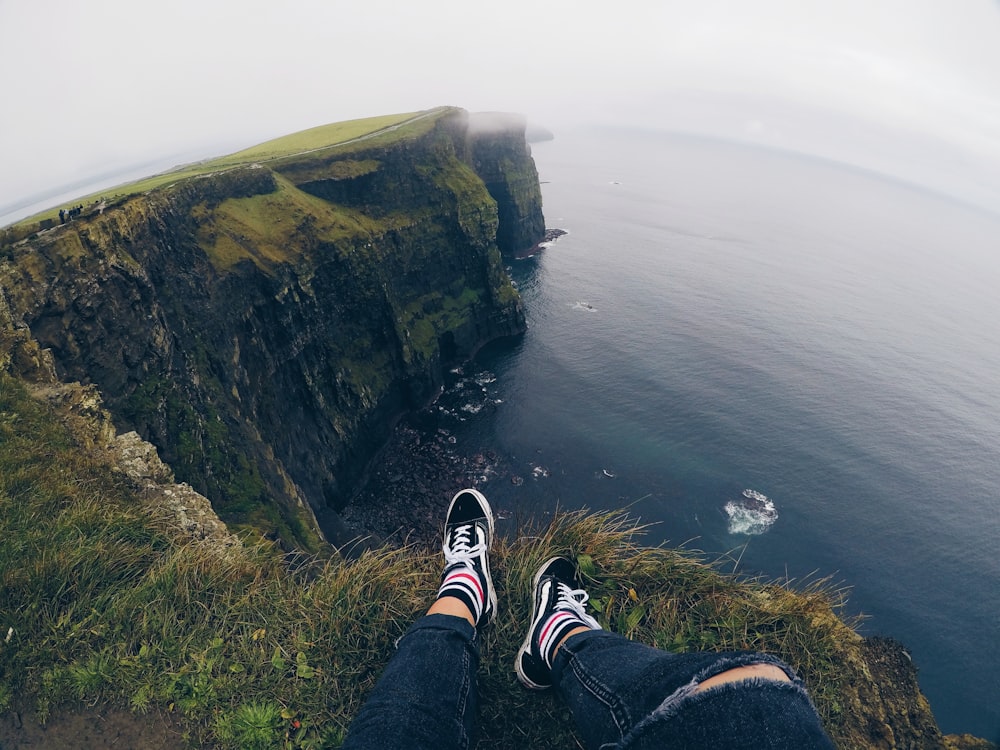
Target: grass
314, 139
428, 317
273, 228
110, 602
334, 135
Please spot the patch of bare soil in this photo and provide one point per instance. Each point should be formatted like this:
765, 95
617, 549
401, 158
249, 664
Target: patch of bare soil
90, 728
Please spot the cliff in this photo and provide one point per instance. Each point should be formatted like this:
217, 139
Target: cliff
264, 323
263, 320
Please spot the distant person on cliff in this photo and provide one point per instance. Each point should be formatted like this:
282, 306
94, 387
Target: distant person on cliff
621, 694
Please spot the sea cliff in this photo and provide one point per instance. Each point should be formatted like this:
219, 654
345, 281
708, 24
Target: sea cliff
259, 323
264, 324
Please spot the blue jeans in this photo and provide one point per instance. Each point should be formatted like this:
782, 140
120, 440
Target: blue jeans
622, 695
626, 695
427, 696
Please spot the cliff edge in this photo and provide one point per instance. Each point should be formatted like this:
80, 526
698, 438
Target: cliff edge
264, 323
125, 591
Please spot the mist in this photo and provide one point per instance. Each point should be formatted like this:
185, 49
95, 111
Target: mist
908, 88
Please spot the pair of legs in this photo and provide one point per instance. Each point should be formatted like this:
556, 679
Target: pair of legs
621, 694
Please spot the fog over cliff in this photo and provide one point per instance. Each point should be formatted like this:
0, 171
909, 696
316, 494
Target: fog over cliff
902, 87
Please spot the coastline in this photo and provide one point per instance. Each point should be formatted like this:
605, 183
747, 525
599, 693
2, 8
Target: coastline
551, 235
421, 466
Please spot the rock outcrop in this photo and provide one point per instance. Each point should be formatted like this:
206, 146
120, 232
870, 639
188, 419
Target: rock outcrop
81, 409
263, 326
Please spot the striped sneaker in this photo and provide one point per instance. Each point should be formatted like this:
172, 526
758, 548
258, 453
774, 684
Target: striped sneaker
559, 607
468, 534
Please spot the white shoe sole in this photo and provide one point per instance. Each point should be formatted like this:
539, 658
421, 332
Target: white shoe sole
526, 646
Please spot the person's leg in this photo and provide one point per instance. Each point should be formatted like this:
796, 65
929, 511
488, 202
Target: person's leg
626, 694
603, 687
427, 696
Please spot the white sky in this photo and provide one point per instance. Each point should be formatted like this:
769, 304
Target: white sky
908, 87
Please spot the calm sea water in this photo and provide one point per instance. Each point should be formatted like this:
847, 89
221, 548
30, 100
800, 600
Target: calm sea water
722, 318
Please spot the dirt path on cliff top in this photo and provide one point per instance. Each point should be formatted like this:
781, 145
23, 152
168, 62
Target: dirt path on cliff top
90, 728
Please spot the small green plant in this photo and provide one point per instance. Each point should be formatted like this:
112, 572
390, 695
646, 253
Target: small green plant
302, 668
92, 674
252, 726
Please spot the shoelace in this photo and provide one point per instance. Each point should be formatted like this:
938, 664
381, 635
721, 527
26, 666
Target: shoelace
575, 601
459, 548
572, 599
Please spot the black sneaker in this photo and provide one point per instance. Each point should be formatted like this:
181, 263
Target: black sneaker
468, 534
559, 607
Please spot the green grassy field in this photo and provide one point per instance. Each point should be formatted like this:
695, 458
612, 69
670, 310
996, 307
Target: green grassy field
269, 219
313, 139
334, 135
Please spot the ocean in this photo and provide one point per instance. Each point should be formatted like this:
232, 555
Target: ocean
722, 318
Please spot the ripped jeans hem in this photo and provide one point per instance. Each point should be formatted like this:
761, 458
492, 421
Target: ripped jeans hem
689, 694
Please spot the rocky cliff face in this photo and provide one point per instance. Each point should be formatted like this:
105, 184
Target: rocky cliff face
264, 326
502, 159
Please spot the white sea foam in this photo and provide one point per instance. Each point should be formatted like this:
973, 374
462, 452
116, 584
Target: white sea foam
753, 513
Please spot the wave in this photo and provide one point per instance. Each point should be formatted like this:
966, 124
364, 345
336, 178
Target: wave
752, 514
